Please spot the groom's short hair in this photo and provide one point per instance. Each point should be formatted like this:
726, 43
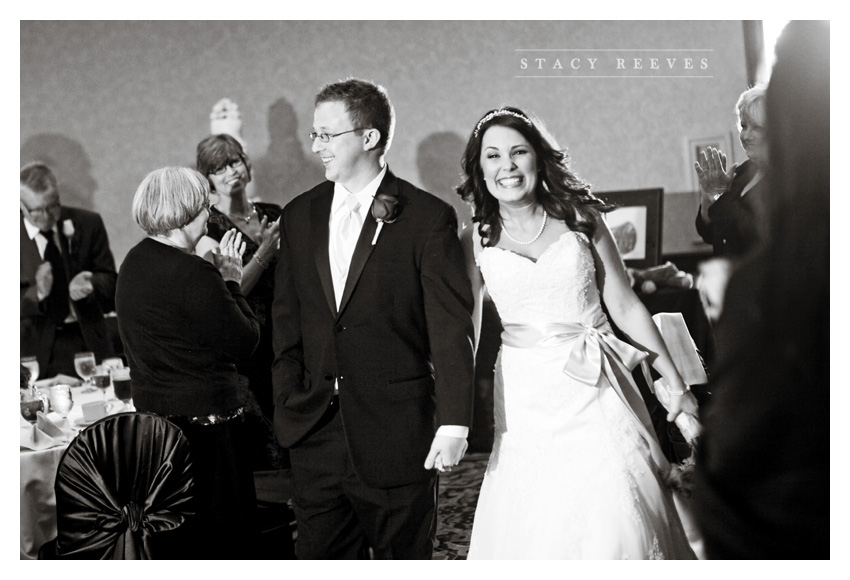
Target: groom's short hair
367, 104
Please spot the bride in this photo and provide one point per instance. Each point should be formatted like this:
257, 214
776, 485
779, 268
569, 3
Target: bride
576, 470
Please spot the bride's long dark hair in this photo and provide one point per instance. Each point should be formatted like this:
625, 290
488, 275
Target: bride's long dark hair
560, 192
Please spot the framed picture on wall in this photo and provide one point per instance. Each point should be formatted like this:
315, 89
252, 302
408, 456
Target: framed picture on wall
636, 224
695, 147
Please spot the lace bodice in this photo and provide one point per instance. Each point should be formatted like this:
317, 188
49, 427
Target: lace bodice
559, 287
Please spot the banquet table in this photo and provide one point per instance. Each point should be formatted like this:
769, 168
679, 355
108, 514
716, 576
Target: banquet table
38, 472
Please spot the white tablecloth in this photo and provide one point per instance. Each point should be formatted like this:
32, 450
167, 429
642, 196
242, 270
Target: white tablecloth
38, 475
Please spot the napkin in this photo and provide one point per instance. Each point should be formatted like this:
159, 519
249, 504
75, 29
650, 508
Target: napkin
681, 346
45, 433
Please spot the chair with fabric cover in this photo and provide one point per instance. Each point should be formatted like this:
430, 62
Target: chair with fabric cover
124, 484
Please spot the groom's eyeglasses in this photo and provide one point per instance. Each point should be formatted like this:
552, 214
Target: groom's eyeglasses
326, 137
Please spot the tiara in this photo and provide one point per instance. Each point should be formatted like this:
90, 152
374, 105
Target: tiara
500, 113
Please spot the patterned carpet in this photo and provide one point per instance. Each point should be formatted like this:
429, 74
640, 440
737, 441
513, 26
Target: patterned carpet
455, 510
456, 506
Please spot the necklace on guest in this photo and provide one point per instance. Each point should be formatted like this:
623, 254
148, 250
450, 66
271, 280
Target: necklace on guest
531, 241
247, 218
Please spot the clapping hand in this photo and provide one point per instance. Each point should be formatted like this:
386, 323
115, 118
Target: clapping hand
711, 170
228, 257
44, 280
80, 286
269, 238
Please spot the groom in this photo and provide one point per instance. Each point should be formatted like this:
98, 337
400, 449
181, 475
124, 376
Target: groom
373, 371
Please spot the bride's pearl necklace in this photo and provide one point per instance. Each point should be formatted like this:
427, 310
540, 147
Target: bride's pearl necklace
531, 241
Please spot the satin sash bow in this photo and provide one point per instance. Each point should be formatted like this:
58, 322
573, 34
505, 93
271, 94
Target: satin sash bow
586, 363
588, 344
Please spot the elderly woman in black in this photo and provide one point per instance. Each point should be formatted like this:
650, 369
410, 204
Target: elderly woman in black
731, 200
182, 357
221, 159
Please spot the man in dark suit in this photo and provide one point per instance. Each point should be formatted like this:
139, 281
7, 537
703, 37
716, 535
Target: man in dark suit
67, 276
373, 373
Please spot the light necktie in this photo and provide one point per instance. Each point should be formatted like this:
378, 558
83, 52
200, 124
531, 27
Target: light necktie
57, 301
347, 232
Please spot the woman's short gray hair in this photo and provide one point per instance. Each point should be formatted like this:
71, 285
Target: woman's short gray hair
169, 198
752, 104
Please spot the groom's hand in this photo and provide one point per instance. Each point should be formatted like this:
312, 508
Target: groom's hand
446, 452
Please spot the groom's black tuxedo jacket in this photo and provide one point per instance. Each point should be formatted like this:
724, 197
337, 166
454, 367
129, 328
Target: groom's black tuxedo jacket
400, 345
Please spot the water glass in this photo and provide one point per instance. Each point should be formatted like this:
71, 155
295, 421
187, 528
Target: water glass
61, 399
84, 364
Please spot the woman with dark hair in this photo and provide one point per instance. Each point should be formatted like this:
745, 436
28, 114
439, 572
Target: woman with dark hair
576, 470
182, 357
224, 163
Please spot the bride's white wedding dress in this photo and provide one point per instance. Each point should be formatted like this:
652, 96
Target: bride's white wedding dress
574, 471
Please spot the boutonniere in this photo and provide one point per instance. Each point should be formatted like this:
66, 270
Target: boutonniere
385, 210
68, 231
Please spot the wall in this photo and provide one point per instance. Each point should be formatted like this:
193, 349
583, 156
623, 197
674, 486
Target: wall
106, 102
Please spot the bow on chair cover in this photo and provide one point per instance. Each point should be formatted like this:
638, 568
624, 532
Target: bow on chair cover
122, 480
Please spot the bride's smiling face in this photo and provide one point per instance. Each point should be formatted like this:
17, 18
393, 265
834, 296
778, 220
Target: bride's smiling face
509, 164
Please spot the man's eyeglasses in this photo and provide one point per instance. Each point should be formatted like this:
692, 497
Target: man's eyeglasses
233, 164
42, 211
326, 137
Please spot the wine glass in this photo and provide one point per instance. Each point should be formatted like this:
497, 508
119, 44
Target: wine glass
102, 378
61, 400
122, 384
31, 404
31, 363
84, 364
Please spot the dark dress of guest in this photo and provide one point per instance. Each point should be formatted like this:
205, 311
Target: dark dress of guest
763, 465
224, 163
731, 222
183, 358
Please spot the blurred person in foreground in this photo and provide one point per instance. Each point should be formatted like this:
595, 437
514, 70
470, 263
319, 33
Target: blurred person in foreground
762, 470
67, 276
184, 323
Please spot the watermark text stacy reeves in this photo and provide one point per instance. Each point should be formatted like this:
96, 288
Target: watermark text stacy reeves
614, 63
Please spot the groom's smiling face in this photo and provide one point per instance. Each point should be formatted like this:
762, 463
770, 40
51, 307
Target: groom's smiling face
344, 157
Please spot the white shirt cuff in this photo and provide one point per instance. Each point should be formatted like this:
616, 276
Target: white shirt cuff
453, 431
